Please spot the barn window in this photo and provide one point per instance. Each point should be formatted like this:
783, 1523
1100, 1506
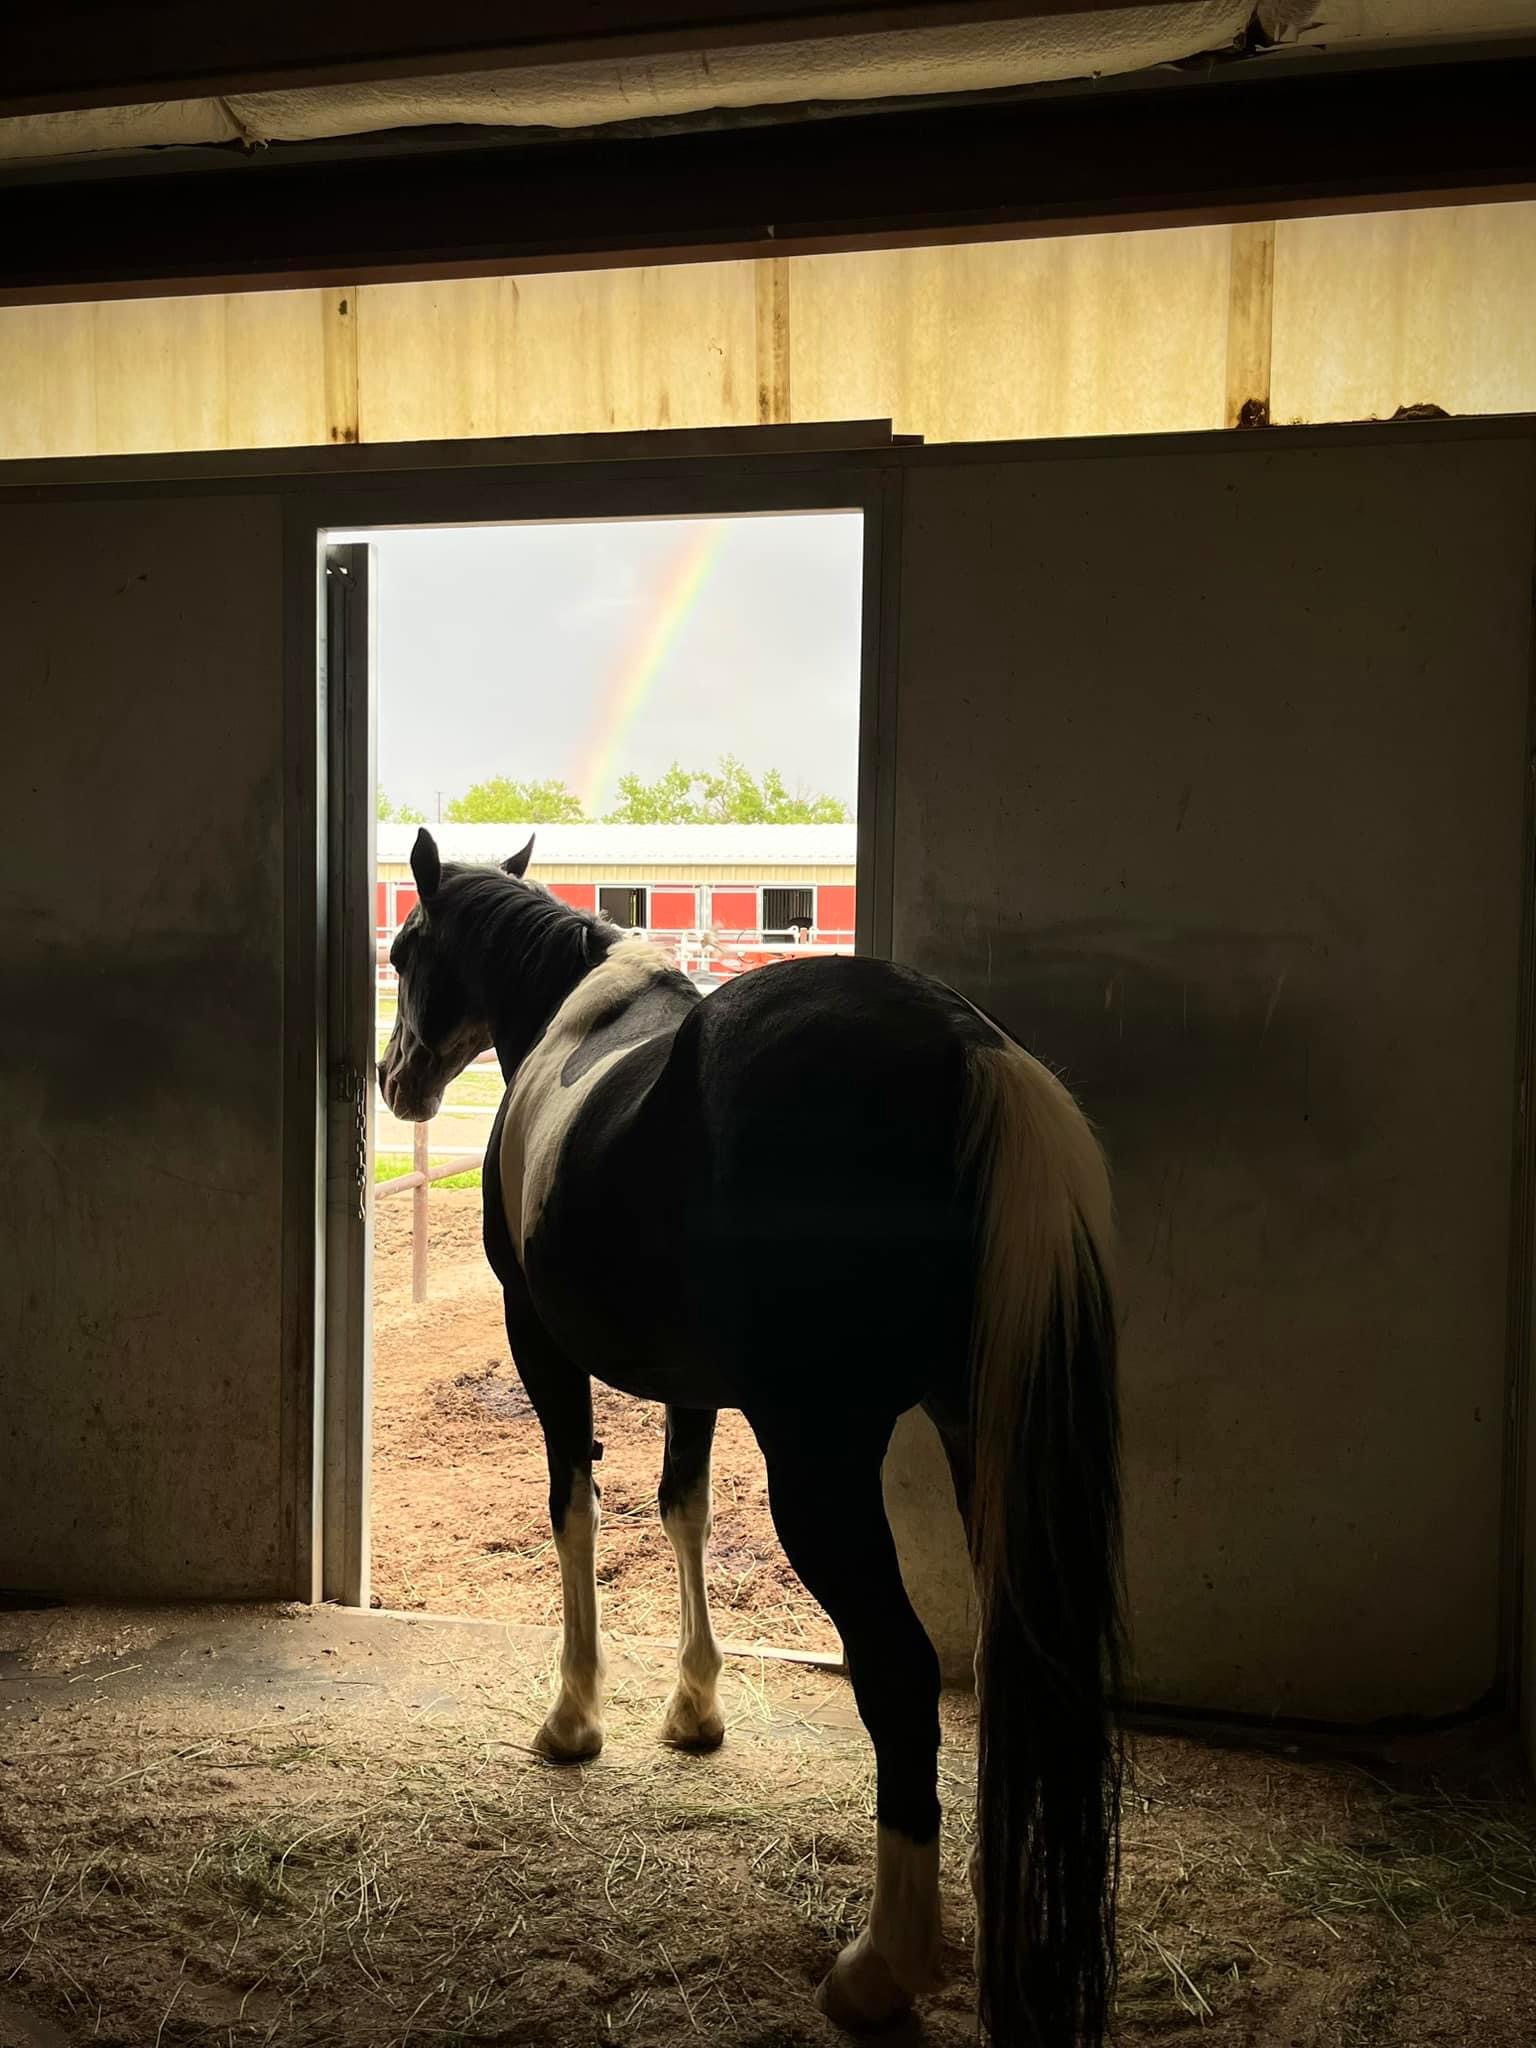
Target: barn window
785, 908
625, 906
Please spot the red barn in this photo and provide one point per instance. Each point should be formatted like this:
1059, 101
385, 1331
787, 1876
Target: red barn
726, 897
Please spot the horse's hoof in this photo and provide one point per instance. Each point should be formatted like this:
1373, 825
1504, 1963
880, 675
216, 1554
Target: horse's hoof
690, 1726
860, 1994
567, 1739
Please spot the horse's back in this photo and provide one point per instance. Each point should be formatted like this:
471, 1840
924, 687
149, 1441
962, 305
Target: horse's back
772, 1203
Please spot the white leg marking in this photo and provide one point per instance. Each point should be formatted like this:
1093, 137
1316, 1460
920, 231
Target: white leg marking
900, 1953
693, 1717
573, 1728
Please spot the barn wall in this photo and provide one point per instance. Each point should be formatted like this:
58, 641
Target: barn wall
141, 1036
1528, 1676
1094, 335
1091, 334
1377, 311
578, 353
1259, 895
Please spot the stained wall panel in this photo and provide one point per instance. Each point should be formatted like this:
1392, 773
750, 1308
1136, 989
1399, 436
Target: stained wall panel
578, 353
1376, 311
47, 382
154, 375
1244, 859
141, 1049
1094, 335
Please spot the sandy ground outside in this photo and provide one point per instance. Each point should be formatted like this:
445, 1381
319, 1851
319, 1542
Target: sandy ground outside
461, 1488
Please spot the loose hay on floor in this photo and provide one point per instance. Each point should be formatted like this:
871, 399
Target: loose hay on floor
316, 1828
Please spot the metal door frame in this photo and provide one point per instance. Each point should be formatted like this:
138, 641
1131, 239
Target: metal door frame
331, 610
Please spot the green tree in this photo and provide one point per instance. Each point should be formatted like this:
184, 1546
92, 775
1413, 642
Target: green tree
669, 800
727, 795
500, 800
732, 796
398, 814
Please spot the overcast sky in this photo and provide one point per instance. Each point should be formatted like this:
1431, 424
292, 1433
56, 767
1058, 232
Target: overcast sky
502, 650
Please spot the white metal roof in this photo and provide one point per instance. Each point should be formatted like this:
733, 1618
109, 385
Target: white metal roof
633, 848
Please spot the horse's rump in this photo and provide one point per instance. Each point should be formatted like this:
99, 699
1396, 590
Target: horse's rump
784, 1188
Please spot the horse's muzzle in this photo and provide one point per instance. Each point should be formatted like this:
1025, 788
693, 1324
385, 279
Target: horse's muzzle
411, 1106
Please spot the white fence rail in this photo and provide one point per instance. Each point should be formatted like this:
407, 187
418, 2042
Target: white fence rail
713, 951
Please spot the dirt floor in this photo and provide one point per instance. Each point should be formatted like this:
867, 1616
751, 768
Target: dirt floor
311, 1827
461, 1489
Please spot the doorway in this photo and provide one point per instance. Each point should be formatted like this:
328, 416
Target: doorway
671, 708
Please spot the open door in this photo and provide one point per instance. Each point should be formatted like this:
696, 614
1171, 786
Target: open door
346, 1424
741, 637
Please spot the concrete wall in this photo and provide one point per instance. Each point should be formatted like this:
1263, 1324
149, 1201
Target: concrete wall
1210, 783
141, 1426
1526, 1526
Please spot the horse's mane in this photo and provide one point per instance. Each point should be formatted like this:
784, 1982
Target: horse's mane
519, 929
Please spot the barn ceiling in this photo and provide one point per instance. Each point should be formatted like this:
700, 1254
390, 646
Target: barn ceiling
265, 144
953, 52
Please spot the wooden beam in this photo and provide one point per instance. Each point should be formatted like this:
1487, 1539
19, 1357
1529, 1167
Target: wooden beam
94, 53
771, 283
340, 314
1250, 323
1193, 152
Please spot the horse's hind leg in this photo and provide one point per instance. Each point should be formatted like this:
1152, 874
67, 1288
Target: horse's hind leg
824, 1487
947, 1409
949, 1412
562, 1399
693, 1716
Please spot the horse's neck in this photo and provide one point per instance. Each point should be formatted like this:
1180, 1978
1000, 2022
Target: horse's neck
520, 1016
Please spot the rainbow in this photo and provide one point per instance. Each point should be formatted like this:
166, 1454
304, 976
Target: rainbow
642, 660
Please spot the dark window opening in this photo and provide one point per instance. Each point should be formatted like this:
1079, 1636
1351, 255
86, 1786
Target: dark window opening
786, 911
626, 907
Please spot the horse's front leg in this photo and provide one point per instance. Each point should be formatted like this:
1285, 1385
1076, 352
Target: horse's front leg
562, 1399
693, 1715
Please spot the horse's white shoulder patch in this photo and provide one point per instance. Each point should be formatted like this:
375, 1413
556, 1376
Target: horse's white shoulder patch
625, 972
542, 1109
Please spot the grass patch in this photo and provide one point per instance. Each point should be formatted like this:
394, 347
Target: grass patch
389, 1166
479, 1088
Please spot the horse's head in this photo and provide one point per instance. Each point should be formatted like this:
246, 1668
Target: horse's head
440, 1022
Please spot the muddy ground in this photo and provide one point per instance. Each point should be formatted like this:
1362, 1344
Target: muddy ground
225, 1829
461, 1488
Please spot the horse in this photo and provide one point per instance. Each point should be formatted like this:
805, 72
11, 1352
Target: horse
836, 1113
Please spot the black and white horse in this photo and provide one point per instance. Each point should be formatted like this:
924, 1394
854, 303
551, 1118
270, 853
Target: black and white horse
838, 1115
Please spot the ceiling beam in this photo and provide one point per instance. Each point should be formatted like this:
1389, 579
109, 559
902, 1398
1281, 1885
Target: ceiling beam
71, 54
1195, 152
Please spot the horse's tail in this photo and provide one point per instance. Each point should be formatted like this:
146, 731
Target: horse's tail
1045, 1537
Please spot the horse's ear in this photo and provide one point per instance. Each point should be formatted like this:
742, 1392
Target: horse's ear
426, 865
517, 864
